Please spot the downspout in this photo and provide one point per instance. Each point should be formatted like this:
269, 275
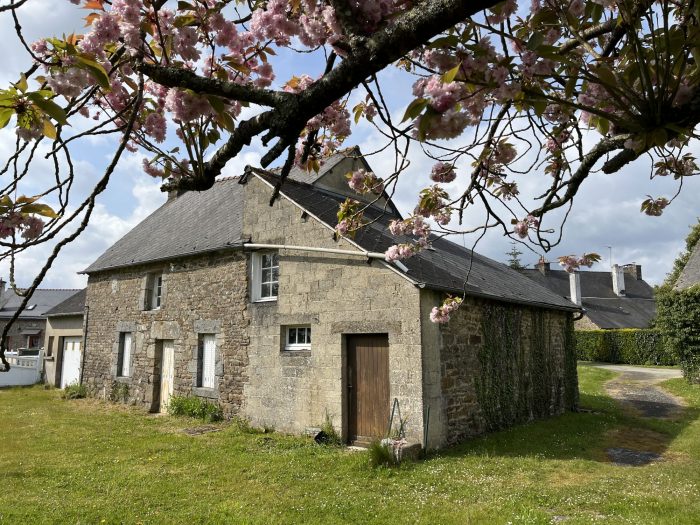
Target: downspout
86, 316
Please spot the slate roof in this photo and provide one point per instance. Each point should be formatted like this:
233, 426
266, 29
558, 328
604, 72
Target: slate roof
446, 267
690, 275
44, 300
208, 221
74, 305
193, 223
309, 177
635, 310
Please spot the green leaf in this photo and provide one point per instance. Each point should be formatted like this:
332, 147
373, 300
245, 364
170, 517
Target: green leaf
22, 83
217, 104
414, 109
187, 20
40, 209
536, 40
5, 116
49, 129
539, 106
605, 75
450, 75
49, 107
97, 71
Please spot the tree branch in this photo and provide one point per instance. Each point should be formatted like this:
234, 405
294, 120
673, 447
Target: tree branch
175, 77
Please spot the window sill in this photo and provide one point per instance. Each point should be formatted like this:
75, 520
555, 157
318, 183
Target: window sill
202, 391
297, 352
266, 300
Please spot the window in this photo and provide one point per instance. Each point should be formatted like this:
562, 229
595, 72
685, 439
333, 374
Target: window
49, 350
33, 341
206, 357
156, 291
124, 358
298, 338
152, 292
266, 267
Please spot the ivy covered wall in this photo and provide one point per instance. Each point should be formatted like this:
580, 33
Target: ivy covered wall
505, 364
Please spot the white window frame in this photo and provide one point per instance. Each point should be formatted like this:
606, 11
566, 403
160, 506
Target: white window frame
207, 354
125, 352
156, 298
257, 270
306, 339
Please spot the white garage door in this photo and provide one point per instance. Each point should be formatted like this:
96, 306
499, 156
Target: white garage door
70, 372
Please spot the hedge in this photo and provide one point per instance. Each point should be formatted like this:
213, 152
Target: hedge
678, 317
629, 346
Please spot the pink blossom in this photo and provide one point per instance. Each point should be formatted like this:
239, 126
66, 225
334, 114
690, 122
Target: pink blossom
33, 226
443, 172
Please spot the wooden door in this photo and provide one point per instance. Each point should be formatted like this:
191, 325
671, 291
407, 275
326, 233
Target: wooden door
368, 387
70, 367
167, 374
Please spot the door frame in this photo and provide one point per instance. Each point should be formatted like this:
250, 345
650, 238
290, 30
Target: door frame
345, 378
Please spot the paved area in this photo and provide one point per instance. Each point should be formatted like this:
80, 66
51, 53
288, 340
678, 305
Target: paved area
635, 388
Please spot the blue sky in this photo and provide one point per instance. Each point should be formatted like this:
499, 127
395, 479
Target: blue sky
606, 211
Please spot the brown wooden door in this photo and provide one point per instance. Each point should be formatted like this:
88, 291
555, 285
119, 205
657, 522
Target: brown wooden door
368, 387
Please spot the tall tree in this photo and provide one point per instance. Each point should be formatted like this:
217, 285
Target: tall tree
561, 87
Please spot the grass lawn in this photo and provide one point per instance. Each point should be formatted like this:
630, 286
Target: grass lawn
90, 462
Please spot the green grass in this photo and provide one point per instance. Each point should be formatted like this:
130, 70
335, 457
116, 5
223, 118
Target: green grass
84, 461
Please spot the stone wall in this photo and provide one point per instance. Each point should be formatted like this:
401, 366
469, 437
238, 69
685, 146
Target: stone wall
503, 364
337, 295
205, 294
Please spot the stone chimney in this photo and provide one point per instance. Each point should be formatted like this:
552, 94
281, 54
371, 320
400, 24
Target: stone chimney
575, 288
635, 270
543, 266
2, 290
618, 280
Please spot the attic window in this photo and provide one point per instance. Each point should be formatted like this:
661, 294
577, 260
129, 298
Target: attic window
30, 307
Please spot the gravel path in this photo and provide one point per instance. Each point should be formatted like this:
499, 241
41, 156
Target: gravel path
635, 388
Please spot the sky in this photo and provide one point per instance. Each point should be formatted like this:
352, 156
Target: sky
605, 218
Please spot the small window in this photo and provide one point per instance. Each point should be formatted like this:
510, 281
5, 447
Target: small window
298, 338
156, 291
49, 350
206, 359
124, 358
266, 268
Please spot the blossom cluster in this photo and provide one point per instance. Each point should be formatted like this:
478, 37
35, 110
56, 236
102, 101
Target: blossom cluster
522, 227
571, 263
28, 226
442, 313
363, 181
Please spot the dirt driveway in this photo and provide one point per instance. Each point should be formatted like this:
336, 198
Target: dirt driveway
635, 388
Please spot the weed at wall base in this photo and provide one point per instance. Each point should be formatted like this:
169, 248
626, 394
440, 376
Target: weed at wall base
74, 391
195, 407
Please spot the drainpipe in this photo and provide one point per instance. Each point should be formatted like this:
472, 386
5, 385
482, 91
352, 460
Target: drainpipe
86, 316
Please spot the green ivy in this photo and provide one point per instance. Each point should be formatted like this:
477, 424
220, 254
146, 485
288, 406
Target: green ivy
678, 317
629, 346
519, 381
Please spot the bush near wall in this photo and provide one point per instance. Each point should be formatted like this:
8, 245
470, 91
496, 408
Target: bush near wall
678, 317
629, 346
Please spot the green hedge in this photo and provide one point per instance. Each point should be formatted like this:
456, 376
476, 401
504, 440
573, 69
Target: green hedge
678, 317
630, 346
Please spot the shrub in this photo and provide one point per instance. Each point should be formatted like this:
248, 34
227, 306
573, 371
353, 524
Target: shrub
331, 435
629, 346
196, 407
678, 317
119, 392
381, 455
74, 391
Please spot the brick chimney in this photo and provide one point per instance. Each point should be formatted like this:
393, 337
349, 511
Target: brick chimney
635, 270
575, 288
543, 266
618, 280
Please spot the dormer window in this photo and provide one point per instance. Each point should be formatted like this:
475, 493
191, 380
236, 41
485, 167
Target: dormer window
30, 307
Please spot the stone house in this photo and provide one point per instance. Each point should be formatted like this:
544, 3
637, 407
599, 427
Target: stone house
28, 331
265, 310
690, 276
64, 340
610, 300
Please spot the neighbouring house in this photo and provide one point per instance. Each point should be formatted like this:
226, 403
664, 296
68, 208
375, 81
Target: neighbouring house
616, 299
28, 331
63, 341
690, 275
264, 310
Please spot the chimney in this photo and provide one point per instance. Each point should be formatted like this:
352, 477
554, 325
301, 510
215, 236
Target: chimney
575, 288
618, 280
2, 289
635, 270
543, 266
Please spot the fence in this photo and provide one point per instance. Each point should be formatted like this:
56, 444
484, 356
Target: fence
25, 370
